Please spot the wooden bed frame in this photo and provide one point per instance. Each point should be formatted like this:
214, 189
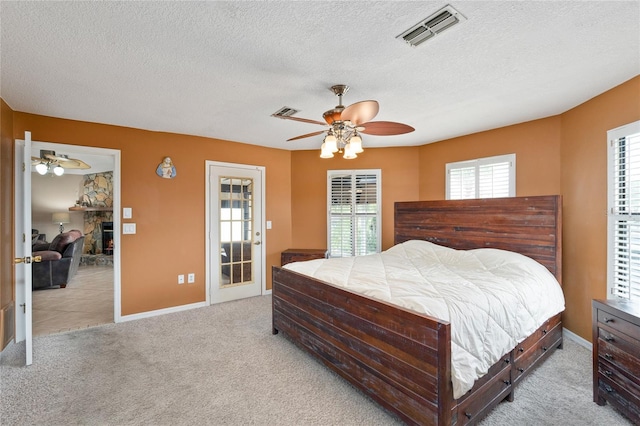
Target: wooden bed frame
402, 359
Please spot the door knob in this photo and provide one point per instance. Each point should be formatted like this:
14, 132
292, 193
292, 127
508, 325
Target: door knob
27, 259
257, 243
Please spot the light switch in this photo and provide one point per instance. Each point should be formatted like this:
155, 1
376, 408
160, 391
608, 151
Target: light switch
268, 224
128, 228
126, 213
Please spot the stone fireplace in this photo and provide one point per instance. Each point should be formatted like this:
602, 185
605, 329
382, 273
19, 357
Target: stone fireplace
97, 203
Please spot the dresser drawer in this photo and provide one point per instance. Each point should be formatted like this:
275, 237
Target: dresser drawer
610, 374
526, 355
619, 396
621, 354
618, 324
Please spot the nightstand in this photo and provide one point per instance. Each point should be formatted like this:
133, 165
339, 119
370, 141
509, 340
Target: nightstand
298, 255
616, 355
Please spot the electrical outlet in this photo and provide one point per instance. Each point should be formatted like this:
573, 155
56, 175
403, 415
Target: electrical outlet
191, 278
180, 279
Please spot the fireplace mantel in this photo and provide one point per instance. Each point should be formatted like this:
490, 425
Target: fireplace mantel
90, 209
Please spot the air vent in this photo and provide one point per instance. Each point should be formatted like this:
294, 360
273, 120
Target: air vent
284, 112
434, 24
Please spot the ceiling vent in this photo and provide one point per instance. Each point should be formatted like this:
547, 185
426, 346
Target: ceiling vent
434, 24
285, 112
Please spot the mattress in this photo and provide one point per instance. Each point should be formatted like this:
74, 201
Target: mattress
492, 298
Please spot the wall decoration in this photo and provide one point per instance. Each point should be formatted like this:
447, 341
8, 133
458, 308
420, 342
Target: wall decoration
166, 169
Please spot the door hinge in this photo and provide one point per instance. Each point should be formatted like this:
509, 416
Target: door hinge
24, 308
24, 237
24, 167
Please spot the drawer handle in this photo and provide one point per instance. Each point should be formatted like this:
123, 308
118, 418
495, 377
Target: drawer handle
521, 370
608, 356
506, 382
544, 348
507, 360
544, 331
467, 415
608, 373
609, 339
608, 320
521, 350
608, 388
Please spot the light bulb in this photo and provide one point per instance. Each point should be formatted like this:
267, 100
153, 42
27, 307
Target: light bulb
58, 171
41, 168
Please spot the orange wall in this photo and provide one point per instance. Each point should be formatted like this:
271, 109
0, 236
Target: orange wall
6, 210
170, 214
535, 143
399, 177
584, 189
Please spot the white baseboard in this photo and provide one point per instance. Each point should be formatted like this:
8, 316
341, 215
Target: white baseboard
579, 340
157, 312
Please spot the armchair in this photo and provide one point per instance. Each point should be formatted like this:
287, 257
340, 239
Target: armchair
60, 261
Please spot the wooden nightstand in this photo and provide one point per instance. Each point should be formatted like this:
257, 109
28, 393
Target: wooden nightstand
298, 255
616, 355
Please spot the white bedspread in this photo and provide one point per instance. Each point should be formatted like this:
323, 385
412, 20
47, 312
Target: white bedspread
493, 298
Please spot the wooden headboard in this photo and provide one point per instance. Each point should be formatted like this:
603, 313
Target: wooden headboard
528, 225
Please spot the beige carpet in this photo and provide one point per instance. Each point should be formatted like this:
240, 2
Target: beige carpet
221, 365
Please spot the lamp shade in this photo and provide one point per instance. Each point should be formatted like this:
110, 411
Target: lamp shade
60, 218
42, 168
58, 171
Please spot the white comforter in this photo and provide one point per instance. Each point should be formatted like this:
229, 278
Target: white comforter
493, 298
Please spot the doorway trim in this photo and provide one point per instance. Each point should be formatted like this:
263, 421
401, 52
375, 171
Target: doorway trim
115, 154
209, 261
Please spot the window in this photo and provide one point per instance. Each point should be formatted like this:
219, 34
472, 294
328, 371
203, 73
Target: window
623, 246
490, 177
354, 212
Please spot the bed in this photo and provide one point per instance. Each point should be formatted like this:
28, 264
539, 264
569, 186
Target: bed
401, 358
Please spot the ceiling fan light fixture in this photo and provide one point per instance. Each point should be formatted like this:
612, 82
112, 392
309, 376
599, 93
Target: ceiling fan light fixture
58, 171
356, 144
330, 143
325, 152
42, 168
348, 152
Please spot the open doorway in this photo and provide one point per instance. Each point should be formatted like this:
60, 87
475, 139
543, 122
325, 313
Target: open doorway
76, 205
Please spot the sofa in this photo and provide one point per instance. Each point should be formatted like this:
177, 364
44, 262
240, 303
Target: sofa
59, 260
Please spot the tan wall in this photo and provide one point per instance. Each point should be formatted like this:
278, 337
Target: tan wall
7, 296
399, 168
584, 189
170, 213
535, 143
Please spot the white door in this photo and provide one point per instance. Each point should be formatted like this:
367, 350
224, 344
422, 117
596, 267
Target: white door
22, 249
235, 227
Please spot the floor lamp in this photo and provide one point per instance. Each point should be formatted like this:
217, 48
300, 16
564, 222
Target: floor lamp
60, 218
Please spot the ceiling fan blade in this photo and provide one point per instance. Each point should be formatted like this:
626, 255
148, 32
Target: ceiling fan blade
303, 120
386, 128
360, 112
68, 163
74, 164
308, 135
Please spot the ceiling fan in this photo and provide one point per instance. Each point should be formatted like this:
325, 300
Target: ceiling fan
48, 160
346, 124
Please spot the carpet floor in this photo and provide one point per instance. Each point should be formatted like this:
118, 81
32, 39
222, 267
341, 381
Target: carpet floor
220, 365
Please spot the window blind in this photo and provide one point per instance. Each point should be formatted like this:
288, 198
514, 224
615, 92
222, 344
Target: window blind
624, 211
353, 212
489, 177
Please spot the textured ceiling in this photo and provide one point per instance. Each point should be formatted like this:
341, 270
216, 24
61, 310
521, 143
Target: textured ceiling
220, 69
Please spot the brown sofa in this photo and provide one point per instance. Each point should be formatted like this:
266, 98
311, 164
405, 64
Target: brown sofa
60, 260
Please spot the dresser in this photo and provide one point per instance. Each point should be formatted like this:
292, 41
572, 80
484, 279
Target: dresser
298, 255
616, 355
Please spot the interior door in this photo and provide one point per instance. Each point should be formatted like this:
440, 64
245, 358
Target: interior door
235, 225
22, 249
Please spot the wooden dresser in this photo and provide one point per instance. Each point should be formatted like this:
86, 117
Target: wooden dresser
616, 355
298, 255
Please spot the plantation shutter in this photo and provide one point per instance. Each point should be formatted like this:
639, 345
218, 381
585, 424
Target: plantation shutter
624, 211
354, 212
490, 177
